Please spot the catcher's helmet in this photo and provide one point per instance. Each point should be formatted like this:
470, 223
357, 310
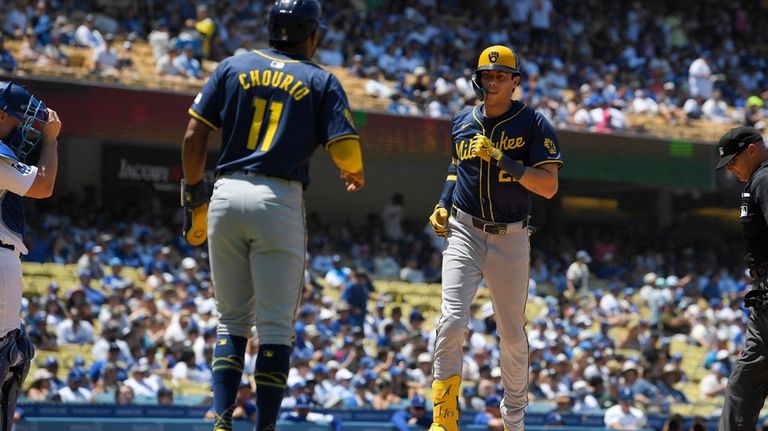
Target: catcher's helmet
293, 21
496, 57
17, 101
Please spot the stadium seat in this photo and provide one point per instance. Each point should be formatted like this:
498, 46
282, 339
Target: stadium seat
191, 388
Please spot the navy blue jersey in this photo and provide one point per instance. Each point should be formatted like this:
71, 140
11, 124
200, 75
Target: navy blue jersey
482, 189
274, 110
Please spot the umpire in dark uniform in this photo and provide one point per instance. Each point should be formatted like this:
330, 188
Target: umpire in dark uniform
743, 152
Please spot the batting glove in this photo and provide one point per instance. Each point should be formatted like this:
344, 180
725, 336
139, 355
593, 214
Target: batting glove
439, 221
194, 201
481, 146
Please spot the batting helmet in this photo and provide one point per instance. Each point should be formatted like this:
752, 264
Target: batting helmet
17, 101
292, 21
496, 57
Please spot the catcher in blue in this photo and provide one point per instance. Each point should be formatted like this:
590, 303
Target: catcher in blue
274, 108
502, 152
24, 122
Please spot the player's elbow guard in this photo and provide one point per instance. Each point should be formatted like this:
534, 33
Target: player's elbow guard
347, 155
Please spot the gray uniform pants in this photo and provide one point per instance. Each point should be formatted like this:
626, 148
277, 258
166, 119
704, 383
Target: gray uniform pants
257, 247
503, 261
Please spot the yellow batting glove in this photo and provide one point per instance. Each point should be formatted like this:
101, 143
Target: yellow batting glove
439, 221
481, 146
194, 201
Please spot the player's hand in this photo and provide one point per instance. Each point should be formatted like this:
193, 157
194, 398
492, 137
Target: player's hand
439, 221
481, 146
353, 181
52, 127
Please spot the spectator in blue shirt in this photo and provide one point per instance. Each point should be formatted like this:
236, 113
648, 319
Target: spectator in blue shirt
128, 253
113, 354
302, 348
491, 417
339, 274
159, 261
115, 280
93, 296
711, 289
188, 64
415, 414
301, 413
644, 391
356, 294
42, 23
343, 316
52, 365
669, 377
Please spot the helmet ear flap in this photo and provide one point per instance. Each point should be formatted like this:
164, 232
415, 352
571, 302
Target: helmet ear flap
479, 90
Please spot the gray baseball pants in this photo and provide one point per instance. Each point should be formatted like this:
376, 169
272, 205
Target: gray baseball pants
257, 246
504, 262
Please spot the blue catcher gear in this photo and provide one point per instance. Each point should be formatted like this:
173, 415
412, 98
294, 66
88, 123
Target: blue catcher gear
497, 57
17, 101
293, 21
16, 353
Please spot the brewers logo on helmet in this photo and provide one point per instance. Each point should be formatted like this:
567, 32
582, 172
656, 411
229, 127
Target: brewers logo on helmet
496, 57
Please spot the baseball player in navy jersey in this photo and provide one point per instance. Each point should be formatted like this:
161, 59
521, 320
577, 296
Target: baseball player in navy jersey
502, 151
274, 108
24, 122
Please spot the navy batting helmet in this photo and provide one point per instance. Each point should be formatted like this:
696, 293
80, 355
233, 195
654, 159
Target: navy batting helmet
292, 21
17, 101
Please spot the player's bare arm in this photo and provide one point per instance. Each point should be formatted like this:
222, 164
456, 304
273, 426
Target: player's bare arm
439, 218
194, 151
542, 179
47, 165
194, 194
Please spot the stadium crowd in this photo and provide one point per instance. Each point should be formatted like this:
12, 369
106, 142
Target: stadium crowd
355, 347
679, 61
359, 347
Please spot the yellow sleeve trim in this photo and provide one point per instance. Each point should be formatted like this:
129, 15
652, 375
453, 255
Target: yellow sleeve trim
450, 178
548, 161
202, 119
346, 154
339, 138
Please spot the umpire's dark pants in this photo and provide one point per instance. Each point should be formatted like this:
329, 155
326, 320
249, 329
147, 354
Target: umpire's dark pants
748, 383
